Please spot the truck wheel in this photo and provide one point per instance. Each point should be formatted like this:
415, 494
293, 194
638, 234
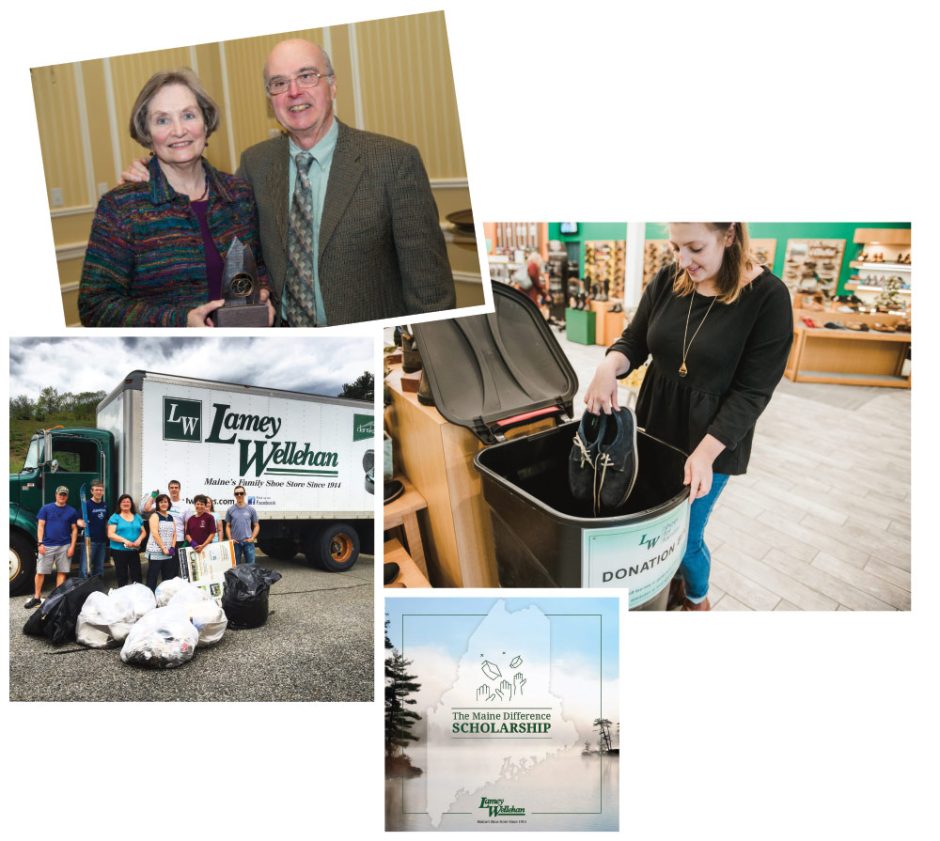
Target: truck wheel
335, 547
279, 548
22, 564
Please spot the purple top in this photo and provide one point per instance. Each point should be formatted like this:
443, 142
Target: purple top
214, 261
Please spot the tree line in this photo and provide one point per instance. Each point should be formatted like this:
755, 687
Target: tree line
81, 406
52, 404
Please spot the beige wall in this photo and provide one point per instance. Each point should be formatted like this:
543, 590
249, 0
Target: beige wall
393, 77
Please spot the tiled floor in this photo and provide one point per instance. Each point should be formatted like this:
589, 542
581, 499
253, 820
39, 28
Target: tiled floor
822, 520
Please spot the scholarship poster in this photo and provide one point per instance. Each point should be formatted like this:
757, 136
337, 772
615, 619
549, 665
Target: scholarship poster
502, 714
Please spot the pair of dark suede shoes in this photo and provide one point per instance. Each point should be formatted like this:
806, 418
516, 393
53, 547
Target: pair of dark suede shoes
603, 463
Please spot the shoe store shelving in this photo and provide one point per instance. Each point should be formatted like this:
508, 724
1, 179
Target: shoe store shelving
604, 268
864, 349
812, 265
882, 265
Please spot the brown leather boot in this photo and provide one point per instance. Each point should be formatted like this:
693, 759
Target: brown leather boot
676, 593
705, 605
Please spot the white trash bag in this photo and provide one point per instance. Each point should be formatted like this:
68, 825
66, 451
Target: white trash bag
169, 588
188, 593
209, 619
203, 612
131, 602
162, 639
93, 625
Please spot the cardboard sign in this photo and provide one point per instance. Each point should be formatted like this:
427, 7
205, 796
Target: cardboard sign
206, 569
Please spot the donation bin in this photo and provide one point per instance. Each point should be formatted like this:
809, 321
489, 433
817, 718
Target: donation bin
492, 373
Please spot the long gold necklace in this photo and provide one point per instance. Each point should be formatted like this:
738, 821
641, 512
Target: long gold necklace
685, 347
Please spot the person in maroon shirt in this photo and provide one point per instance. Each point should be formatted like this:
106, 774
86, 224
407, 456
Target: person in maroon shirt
200, 528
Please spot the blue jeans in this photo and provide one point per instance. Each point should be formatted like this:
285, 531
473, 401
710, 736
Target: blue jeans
697, 562
99, 552
244, 552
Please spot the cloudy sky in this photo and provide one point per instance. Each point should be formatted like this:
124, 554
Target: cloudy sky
318, 365
438, 631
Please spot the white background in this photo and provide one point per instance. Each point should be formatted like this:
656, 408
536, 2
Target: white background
743, 726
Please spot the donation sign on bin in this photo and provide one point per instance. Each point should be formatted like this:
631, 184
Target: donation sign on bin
493, 372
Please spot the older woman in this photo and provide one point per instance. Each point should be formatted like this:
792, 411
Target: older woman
157, 248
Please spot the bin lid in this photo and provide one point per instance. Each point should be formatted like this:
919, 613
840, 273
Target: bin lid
491, 372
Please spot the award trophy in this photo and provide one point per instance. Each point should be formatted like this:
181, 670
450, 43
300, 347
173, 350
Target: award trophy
240, 289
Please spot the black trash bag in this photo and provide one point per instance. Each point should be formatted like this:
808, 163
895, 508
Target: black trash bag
245, 597
57, 616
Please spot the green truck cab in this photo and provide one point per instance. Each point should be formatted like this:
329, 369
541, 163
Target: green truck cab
70, 457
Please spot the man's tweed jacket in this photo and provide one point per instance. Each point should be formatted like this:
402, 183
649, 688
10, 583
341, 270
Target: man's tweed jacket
382, 253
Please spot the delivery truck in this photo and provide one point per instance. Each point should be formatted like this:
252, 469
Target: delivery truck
304, 459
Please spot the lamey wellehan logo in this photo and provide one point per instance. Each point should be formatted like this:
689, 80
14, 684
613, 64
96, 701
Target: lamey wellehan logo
182, 419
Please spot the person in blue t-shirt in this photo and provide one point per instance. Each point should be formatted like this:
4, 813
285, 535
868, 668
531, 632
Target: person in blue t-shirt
96, 529
126, 533
56, 536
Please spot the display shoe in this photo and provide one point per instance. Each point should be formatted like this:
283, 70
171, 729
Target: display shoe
809, 322
392, 490
410, 357
425, 398
391, 572
582, 461
618, 307
676, 593
617, 462
834, 325
705, 605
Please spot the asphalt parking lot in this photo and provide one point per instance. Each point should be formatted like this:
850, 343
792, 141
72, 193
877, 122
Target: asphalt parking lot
317, 645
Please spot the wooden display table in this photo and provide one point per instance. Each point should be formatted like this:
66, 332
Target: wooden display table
437, 457
609, 325
438, 460
847, 357
409, 576
403, 512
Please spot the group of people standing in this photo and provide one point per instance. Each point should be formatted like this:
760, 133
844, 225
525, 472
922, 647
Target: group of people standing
171, 522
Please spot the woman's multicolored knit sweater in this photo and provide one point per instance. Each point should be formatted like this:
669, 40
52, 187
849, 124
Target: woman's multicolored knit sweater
145, 264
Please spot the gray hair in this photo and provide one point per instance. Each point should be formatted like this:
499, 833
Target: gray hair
140, 131
326, 58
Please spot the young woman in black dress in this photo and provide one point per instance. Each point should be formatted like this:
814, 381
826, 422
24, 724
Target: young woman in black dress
718, 327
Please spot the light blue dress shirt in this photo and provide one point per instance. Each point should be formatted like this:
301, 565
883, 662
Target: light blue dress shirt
319, 174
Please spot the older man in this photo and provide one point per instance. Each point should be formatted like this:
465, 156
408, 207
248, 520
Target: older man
349, 228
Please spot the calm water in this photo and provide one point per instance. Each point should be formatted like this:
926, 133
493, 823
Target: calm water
581, 791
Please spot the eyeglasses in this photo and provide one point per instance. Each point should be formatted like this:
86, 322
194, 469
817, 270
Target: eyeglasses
307, 79
239, 493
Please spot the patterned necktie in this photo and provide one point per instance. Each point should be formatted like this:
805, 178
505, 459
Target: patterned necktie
300, 305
